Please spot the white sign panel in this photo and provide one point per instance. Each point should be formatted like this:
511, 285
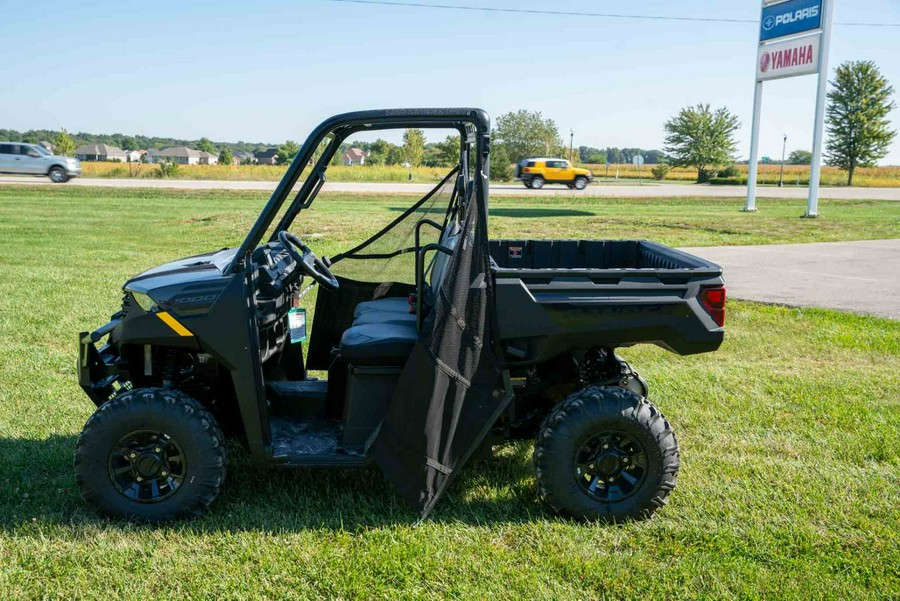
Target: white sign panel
798, 56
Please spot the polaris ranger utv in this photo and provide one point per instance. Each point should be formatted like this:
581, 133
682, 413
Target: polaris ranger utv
435, 340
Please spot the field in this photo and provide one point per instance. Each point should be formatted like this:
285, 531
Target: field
338, 173
790, 473
794, 175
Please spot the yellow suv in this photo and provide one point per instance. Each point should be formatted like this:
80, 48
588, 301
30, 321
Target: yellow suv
534, 173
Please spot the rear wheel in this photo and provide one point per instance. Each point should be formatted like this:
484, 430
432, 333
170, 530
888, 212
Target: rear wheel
606, 453
537, 182
527, 184
58, 175
150, 455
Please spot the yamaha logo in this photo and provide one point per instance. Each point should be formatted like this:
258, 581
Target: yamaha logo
765, 61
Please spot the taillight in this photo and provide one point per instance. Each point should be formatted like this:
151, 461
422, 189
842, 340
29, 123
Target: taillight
713, 300
526, 170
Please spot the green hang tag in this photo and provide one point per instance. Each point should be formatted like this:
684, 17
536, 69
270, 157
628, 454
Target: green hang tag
297, 325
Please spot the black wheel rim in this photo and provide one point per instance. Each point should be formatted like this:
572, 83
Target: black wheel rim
147, 466
610, 466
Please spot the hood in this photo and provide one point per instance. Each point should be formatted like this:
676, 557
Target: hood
198, 268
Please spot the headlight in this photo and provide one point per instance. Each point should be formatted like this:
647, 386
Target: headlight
144, 302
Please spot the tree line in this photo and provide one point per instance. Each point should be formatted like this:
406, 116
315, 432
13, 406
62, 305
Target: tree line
858, 128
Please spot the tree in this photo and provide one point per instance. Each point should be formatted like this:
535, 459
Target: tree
501, 165
414, 146
526, 134
63, 144
699, 137
589, 154
226, 157
800, 157
129, 143
287, 152
206, 146
395, 155
857, 116
378, 151
447, 152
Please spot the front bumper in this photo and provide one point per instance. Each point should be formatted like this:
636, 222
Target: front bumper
98, 370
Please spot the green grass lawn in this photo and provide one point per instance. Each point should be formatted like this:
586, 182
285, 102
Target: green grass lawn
790, 477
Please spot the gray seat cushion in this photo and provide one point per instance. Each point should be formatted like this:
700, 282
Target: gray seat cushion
385, 317
393, 304
378, 343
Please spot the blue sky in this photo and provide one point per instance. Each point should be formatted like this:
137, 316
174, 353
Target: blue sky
270, 71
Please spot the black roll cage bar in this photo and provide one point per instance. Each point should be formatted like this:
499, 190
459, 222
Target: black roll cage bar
470, 122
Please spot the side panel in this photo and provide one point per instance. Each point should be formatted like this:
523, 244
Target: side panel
229, 333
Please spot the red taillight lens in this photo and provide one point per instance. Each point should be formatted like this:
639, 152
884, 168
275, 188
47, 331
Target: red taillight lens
714, 301
526, 170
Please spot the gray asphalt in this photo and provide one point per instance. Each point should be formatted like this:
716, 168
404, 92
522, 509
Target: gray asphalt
861, 277
599, 189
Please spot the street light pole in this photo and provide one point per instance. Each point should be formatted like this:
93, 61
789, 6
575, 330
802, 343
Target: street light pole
571, 143
783, 149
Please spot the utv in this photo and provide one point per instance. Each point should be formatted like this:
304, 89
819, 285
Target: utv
435, 342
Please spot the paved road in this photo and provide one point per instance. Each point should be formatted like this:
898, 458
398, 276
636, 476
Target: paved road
594, 190
862, 277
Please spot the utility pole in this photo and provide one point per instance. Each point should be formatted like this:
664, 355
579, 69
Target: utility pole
571, 143
783, 149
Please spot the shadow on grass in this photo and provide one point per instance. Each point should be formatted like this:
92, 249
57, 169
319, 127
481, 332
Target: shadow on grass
37, 485
527, 212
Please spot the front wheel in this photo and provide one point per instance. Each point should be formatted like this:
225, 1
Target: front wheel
581, 183
150, 455
58, 175
606, 453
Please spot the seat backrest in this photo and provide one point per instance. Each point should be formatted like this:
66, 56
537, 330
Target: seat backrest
449, 238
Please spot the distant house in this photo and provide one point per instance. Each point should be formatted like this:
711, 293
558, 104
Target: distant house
267, 156
100, 152
208, 158
354, 156
135, 156
242, 158
181, 155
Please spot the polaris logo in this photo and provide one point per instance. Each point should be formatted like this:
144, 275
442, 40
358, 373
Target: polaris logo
790, 17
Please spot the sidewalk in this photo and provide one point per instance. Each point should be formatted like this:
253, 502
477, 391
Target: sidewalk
862, 277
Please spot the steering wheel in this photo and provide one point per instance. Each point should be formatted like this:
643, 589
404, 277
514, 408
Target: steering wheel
309, 263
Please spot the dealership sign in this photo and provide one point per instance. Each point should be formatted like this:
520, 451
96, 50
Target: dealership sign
790, 18
794, 39
797, 56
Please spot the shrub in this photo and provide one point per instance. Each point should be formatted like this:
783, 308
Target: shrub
729, 172
167, 169
727, 181
660, 171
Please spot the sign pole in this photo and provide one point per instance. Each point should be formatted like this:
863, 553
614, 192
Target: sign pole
812, 205
750, 206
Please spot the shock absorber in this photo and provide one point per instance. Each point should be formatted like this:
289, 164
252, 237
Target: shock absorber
169, 366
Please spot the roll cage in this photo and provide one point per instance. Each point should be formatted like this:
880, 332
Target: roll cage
473, 125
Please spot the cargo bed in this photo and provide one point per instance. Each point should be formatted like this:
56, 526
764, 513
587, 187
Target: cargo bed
555, 295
